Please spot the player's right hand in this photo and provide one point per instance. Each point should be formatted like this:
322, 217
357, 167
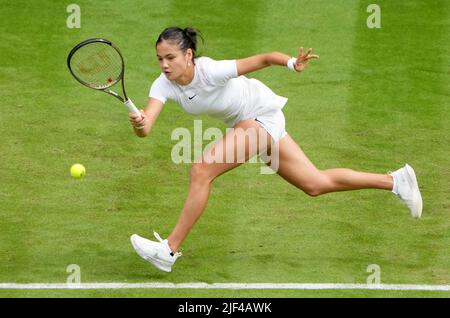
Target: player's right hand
137, 120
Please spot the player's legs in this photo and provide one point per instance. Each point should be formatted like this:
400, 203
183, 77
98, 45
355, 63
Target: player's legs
297, 169
205, 171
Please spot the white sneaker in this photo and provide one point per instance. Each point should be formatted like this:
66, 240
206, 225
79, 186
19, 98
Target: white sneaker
157, 253
407, 189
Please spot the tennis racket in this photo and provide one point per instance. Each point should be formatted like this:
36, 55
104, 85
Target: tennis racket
98, 64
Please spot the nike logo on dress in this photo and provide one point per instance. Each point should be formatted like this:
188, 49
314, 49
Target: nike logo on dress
192, 96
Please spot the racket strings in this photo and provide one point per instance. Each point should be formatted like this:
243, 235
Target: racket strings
97, 64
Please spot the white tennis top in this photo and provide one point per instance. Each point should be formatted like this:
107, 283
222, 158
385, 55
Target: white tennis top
217, 91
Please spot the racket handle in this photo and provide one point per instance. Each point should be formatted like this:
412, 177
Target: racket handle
129, 104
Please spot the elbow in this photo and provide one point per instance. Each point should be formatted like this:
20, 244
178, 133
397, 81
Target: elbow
271, 58
268, 61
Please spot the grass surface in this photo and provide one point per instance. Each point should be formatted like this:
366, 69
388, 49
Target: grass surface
376, 99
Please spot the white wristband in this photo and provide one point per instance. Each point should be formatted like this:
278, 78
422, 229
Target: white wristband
291, 62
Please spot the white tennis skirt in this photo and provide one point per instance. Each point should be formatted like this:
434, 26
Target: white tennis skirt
274, 123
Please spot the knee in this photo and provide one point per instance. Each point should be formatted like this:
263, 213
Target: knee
200, 174
312, 191
316, 186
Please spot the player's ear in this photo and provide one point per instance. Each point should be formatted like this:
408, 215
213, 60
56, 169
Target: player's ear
189, 54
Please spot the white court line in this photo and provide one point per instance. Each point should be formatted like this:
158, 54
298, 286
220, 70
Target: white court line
230, 286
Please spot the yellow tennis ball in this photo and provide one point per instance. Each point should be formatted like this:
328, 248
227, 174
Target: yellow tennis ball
77, 171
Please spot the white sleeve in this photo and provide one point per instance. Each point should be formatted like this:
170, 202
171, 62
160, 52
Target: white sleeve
159, 90
219, 72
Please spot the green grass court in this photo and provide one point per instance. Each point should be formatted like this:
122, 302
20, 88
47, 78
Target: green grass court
376, 99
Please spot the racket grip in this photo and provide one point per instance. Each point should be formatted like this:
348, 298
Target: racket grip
129, 104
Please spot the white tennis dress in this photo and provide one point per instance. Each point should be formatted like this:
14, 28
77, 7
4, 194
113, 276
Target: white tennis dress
219, 92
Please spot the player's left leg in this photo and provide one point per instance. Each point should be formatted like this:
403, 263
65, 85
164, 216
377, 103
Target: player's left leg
298, 170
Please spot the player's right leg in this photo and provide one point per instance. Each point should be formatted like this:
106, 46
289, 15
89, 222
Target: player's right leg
237, 147
242, 143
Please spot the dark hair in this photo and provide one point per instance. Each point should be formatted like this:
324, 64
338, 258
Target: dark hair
185, 38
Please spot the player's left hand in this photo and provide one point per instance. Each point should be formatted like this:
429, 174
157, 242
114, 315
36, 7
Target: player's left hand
303, 58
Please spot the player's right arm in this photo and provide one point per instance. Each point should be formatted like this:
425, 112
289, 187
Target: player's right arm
147, 118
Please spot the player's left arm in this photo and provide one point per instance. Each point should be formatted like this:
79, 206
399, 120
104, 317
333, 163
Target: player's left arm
257, 62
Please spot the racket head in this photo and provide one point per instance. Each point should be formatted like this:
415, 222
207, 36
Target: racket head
96, 63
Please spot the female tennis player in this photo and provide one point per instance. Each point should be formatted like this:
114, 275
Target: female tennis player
201, 85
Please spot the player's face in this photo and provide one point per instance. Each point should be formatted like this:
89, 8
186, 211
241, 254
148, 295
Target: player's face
172, 60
